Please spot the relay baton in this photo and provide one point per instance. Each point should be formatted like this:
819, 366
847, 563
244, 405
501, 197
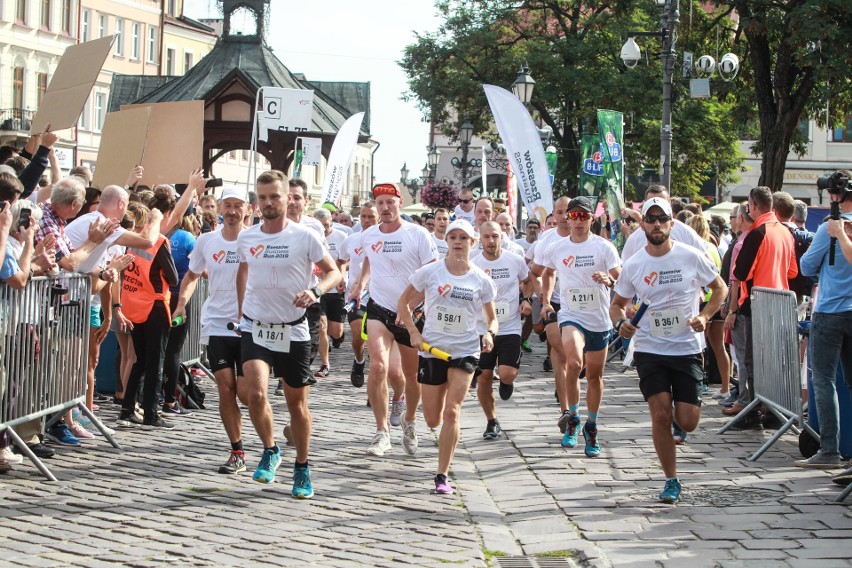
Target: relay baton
233, 326
436, 352
640, 312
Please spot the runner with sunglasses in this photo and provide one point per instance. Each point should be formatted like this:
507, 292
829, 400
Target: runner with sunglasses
587, 266
669, 338
464, 210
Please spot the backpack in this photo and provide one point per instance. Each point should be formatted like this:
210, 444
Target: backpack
186, 383
800, 284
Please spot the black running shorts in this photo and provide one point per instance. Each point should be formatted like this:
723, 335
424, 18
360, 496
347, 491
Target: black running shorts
294, 367
225, 353
333, 306
506, 352
434, 371
680, 375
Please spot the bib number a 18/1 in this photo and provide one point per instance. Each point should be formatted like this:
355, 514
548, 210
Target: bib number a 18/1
451, 320
667, 323
273, 337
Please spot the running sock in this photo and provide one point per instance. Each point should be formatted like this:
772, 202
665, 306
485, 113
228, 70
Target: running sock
592, 417
275, 449
237, 446
361, 362
574, 409
671, 478
301, 465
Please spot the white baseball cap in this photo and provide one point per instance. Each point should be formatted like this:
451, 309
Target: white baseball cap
234, 192
462, 225
657, 202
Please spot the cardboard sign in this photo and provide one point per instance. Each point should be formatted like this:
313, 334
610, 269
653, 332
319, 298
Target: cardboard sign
175, 143
122, 145
71, 85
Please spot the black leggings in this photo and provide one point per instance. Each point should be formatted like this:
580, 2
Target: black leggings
171, 370
149, 341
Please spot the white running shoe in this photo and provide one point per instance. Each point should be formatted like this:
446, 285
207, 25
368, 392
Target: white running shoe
80, 432
397, 411
409, 437
10, 457
380, 444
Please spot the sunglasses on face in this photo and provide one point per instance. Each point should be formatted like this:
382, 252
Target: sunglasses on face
465, 200
581, 215
662, 218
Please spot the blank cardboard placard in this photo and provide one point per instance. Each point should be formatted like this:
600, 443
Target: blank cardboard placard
122, 145
71, 85
175, 144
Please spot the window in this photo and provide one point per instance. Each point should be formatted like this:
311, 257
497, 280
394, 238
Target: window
100, 104
843, 133
188, 56
171, 8
45, 14
84, 117
102, 25
119, 37
170, 61
66, 16
152, 45
135, 39
21, 12
18, 89
85, 26
42, 87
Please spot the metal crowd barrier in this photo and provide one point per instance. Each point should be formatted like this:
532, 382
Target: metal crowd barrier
193, 353
44, 342
777, 369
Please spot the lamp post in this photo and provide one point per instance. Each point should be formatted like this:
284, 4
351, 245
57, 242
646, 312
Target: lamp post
523, 85
415, 184
631, 54
433, 157
464, 167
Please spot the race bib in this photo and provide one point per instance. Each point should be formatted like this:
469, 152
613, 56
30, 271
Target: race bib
666, 323
451, 320
273, 337
503, 311
583, 299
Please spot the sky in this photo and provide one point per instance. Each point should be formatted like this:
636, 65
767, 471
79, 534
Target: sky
344, 40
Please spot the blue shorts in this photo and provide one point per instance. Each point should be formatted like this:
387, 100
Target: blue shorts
595, 340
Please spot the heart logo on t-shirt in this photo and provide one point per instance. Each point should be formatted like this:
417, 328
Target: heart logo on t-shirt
445, 290
651, 279
488, 271
219, 257
377, 247
568, 262
358, 251
256, 251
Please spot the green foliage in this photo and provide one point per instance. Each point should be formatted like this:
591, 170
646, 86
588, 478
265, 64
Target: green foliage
573, 50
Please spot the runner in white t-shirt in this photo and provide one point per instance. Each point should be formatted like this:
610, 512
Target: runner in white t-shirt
533, 226
510, 275
464, 210
216, 254
587, 266
457, 295
442, 219
680, 232
352, 256
274, 288
331, 304
669, 338
395, 250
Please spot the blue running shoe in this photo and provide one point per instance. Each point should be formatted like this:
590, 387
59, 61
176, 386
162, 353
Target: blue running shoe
265, 472
671, 492
593, 449
59, 433
569, 440
678, 434
302, 488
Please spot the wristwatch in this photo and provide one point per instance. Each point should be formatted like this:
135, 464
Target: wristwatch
317, 292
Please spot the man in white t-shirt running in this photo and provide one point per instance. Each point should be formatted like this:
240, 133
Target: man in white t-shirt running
352, 256
464, 210
216, 253
587, 266
669, 338
510, 275
504, 220
331, 304
395, 250
442, 219
275, 284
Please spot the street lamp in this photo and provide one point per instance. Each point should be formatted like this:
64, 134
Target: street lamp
433, 157
413, 185
523, 85
463, 167
631, 54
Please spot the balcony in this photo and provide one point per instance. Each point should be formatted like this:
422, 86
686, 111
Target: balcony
16, 120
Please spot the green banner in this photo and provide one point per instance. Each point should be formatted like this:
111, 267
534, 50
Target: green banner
610, 132
591, 166
551, 155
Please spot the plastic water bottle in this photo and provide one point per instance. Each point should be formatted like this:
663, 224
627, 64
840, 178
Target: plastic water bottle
179, 320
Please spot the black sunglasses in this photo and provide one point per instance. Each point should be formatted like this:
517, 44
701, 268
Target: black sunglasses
662, 218
465, 200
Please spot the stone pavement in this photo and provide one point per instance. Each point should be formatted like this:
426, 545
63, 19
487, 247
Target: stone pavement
522, 500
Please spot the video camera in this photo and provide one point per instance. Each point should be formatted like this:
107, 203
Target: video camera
836, 183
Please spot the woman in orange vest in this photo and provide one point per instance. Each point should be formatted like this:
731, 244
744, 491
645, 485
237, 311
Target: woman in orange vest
145, 302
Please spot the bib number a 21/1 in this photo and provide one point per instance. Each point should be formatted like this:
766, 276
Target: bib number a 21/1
583, 299
667, 323
273, 337
451, 320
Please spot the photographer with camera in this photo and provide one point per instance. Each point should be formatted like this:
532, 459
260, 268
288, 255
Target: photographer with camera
831, 327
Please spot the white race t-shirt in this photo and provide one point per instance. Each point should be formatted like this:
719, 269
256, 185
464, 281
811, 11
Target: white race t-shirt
681, 233
77, 232
442, 246
280, 265
536, 253
221, 261
583, 300
334, 242
469, 216
507, 272
505, 243
453, 307
352, 251
524, 244
313, 223
671, 283
393, 259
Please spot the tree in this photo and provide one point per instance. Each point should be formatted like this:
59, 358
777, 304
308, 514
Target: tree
798, 54
572, 48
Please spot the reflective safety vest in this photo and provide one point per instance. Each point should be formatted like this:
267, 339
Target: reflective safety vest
137, 291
